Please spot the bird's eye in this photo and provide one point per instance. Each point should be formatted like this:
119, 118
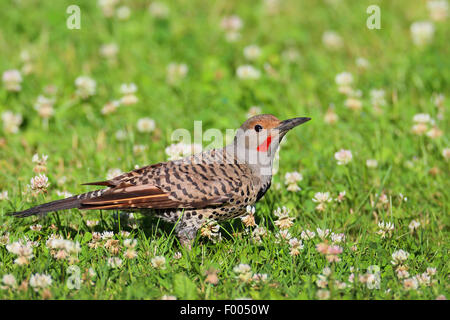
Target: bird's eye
258, 128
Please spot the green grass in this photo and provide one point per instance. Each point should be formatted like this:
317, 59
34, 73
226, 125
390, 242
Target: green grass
82, 146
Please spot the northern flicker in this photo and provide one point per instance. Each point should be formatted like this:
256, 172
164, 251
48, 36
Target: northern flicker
215, 184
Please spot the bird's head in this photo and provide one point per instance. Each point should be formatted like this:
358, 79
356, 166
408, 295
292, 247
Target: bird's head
258, 139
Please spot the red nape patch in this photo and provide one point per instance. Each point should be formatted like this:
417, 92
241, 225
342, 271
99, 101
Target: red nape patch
263, 147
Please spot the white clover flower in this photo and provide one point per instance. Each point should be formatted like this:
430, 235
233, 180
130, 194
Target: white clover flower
386, 229
293, 187
159, 262
413, 225
146, 125
121, 135
410, 284
343, 156
330, 116
252, 52
272, 6
293, 177
296, 246
176, 72
129, 99
86, 87
290, 55
177, 255
41, 163
259, 233
323, 294
322, 234
434, 133
42, 160
115, 262
337, 237
438, 9
107, 235
23, 249
402, 272
253, 111
126, 234
12, 80
242, 268
353, 104
4, 195
283, 235
281, 212
44, 107
422, 118
326, 272
250, 209
210, 229
423, 279
110, 107
341, 196
109, 50
11, 121
322, 197
373, 278
232, 36
39, 183
61, 181
362, 63
431, 271
26, 56
9, 281
128, 88
175, 151
422, 32
419, 129
332, 40
438, 99
446, 153
377, 97
284, 220
260, 277
181, 150
92, 223
62, 248
123, 12
307, 234
139, 148
107, 7
112, 173
399, 256
40, 281
247, 72
130, 243
244, 272
36, 227
159, 10
130, 253
231, 24
249, 219
344, 79
371, 163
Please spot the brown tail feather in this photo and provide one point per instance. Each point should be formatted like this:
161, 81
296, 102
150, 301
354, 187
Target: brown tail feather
63, 204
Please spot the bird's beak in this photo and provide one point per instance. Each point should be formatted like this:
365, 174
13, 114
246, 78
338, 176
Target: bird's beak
288, 124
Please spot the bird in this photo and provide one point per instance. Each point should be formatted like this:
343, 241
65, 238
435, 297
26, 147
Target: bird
215, 184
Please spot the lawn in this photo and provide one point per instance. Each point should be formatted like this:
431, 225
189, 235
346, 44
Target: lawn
358, 207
